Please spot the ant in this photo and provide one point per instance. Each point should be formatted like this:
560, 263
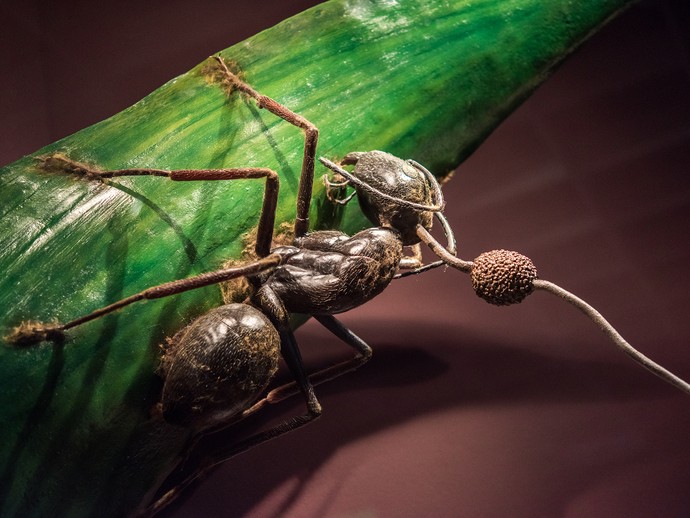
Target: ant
216, 368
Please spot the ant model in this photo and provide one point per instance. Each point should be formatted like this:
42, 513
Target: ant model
216, 368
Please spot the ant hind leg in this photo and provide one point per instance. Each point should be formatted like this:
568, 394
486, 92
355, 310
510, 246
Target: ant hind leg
31, 333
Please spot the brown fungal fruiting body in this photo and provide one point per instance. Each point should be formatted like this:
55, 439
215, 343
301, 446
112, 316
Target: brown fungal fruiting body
503, 277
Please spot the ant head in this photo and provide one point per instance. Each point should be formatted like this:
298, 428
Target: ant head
392, 192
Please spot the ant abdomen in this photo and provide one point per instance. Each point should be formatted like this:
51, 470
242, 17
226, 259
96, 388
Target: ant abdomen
218, 365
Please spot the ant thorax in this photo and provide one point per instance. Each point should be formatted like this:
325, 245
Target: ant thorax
348, 272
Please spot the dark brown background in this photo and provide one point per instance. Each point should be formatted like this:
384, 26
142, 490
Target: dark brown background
466, 409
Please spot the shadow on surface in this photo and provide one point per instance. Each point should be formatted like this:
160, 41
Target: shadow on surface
436, 371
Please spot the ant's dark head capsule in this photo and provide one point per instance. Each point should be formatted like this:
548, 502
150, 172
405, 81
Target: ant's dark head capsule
398, 179
218, 365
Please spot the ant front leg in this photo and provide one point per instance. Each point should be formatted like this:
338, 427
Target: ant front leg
414, 260
311, 136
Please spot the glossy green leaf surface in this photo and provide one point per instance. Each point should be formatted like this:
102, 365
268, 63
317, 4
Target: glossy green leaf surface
424, 79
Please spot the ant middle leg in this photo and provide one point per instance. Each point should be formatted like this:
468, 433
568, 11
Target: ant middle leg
274, 309
34, 332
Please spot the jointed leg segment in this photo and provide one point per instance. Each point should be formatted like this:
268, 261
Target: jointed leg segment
311, 136
362, 355
61, 163
30, 333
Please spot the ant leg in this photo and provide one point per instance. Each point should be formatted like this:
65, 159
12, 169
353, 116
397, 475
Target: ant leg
274, 309
362, 350
311, 135
362, 355
34, 332
415, 260
61, 163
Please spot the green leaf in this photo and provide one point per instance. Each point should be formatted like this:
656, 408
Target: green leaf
424, 79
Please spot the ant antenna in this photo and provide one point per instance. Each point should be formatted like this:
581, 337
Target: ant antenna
438, 194
438, 205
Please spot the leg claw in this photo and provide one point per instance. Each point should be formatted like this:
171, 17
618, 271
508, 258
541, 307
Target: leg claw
61, 163
31, 333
